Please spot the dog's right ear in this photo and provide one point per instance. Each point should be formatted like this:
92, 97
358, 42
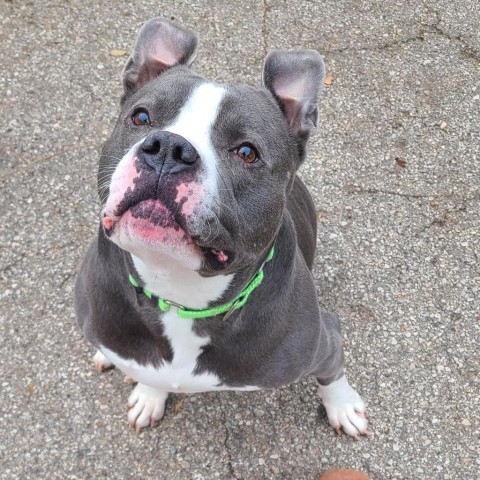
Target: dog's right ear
160, 45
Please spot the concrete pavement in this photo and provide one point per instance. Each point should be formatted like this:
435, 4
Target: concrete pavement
394, 169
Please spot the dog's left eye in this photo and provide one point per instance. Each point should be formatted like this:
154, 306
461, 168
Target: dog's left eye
141, 117
247, 153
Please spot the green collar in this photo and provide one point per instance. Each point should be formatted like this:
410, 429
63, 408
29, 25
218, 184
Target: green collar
238, 302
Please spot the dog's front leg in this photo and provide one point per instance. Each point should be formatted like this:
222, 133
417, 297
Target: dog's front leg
345, 408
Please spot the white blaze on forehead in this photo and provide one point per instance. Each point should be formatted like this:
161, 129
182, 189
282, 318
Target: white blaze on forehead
194, 123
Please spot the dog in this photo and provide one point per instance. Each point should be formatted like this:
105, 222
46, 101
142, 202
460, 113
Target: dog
200, 277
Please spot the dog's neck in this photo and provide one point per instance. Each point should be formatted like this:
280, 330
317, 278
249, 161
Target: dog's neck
172, 281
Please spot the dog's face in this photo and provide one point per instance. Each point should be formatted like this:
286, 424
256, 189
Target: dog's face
199, 171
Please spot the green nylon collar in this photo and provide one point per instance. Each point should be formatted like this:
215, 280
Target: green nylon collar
238, 302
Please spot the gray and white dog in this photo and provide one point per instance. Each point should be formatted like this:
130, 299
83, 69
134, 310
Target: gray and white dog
200, 276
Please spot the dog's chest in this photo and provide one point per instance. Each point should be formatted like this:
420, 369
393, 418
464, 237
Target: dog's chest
177, 375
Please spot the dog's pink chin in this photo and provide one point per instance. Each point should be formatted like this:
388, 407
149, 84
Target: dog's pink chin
150, 233
152, 226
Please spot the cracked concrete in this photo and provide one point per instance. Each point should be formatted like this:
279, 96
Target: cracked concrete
394, 172
427, 29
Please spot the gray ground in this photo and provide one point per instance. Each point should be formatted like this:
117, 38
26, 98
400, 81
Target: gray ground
395, 175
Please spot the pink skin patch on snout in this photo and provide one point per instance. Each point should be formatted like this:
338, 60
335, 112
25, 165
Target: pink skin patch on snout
189, 195
123, 181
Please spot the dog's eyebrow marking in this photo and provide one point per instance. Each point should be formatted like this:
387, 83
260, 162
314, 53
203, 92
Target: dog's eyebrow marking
194, 123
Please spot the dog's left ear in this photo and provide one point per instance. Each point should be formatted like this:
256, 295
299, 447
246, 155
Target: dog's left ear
296, 79
160, 45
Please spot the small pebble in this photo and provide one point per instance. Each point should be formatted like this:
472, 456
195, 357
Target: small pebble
344, 474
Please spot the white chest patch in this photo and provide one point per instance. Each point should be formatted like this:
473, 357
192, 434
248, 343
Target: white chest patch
178, 375
172, 281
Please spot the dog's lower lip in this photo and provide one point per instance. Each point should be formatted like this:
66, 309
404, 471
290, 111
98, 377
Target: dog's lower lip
215, 254
149, 205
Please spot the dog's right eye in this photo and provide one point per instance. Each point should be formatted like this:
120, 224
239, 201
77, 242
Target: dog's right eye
141, 117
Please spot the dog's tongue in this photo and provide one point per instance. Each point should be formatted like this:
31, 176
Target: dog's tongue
222, 257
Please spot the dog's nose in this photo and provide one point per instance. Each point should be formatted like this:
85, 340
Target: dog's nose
168, 152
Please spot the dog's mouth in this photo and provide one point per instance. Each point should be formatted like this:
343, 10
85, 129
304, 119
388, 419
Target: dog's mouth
149, 213
154, 222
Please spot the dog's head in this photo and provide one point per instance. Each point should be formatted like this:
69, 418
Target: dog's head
200, 171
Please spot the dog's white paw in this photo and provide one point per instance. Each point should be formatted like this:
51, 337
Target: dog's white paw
345, 409
129, 380
101, 362
146, 405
